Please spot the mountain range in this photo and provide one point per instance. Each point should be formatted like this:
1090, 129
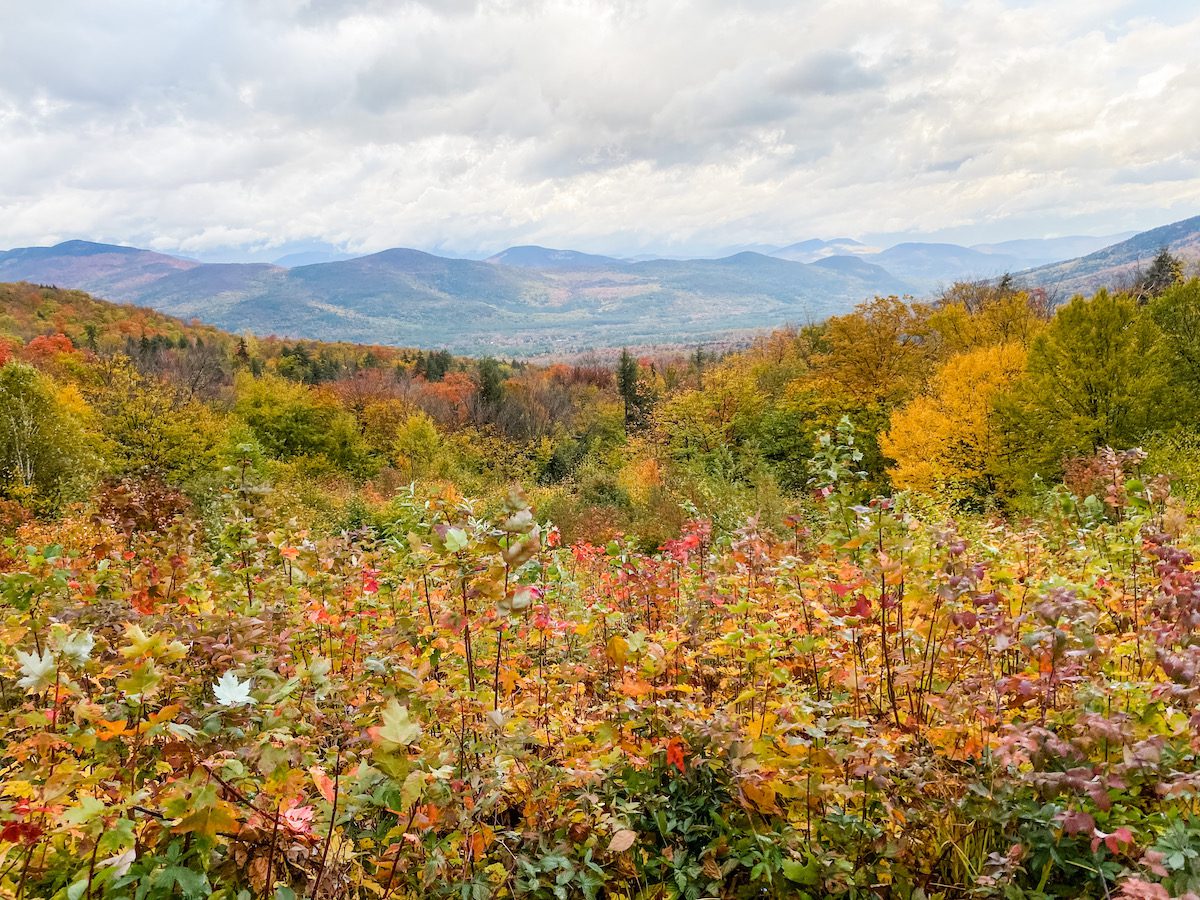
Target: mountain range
532, 300
1112, 266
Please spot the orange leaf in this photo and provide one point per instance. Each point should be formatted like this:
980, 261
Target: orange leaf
635, 687
323, 782
108, 730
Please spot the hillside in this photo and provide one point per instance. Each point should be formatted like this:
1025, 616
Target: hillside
115, 272
1116, 264
28, 311
526, 301
284, 622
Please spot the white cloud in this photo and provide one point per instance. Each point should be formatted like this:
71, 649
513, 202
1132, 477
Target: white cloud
607, 126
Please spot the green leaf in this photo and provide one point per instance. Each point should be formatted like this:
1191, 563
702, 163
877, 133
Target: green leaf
799, 872
88, 808
455, 540
414, 786
76, 647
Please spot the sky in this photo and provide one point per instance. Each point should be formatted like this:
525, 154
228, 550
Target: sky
244, 129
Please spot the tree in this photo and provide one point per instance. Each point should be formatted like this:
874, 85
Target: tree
45, 455
292, 420
1176, 311
1096, 378
879, 354
418, 449
152, 428
629, 390
1165, 271
491, 383
946, 441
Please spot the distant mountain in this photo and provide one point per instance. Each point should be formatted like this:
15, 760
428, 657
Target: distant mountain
1113, 265
855, 266
310, 258
1032, 252
815, 249
532, 257
530, 300
525, 301
104, 269
929, 266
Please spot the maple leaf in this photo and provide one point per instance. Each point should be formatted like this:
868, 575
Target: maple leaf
208, 820
120, 863
323, 782
107, 730
413, 787
37, 671
76, 647
299, 819
397, 730
675, 755
231, 692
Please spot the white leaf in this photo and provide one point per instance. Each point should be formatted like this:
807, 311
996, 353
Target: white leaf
37, 671
120, 863
78, 647
231, 692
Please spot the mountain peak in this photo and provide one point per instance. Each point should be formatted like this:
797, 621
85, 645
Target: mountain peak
531, 256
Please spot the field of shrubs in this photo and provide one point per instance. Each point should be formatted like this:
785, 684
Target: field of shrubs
877, 703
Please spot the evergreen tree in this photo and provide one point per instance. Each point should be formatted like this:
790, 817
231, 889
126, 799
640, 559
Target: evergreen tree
627, 387
1165, 271
491, 383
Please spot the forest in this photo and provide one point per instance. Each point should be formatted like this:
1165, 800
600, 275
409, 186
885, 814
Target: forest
902, 604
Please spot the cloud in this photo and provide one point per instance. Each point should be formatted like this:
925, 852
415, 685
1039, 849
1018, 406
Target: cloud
617, 127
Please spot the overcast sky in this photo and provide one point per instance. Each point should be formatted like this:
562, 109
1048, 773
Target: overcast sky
250, 127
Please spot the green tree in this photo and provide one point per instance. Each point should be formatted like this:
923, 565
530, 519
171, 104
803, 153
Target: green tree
629, 389
491, 383
291, 420
1176, 311
151, 428
418, 449
1095, 378
45, 455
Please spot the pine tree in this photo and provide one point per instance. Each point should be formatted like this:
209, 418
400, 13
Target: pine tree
627, 387
1165, 271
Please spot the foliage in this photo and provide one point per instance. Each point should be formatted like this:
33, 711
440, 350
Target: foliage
45, 460
257, 643
462, 706
946, 441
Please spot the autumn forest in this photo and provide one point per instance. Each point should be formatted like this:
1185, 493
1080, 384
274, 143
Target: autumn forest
901, 604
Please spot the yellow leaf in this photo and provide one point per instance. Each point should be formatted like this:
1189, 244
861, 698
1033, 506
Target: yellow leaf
209, 820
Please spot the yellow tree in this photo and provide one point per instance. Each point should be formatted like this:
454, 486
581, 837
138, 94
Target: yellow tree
945, 441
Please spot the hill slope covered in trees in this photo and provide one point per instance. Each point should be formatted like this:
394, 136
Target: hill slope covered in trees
903, 603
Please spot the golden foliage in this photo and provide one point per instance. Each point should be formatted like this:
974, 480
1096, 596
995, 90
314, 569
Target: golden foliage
945, 441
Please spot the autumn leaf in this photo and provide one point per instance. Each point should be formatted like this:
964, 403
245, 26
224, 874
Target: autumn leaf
635, 687
397, 730
622, 841
208, 820
323, 782
675, 754
37, 670
229, 691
